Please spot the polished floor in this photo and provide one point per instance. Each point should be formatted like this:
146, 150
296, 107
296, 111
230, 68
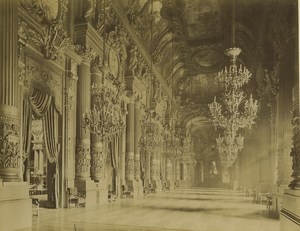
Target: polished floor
200, 209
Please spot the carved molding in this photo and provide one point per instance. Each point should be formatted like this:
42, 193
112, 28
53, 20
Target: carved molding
9, 141
98, 161
48, 33
137, 167
130, 166
85, 52
83, 158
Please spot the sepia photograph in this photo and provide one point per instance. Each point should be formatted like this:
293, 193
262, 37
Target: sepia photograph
149, 115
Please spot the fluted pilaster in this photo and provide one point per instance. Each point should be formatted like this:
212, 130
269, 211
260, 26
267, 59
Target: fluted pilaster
9, 112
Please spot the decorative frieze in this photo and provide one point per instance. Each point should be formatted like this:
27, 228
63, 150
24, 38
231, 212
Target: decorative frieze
98, 160
9, 143
129, 166
85, 52
83, 159
48, 33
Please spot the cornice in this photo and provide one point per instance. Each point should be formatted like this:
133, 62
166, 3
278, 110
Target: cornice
72, 54
87, 35
116, 6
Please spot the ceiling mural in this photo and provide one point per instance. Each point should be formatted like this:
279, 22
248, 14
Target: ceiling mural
200, 32
202, 19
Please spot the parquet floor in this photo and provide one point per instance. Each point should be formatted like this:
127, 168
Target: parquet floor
200, 209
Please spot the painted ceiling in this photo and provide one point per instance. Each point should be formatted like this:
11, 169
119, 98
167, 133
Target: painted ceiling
189, 40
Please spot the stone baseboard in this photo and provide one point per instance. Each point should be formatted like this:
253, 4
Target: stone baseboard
15, 206
290, 211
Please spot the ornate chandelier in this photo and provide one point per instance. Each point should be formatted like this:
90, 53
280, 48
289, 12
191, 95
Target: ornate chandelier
149, 140
228, 147
235, 112
171, 143
105, 118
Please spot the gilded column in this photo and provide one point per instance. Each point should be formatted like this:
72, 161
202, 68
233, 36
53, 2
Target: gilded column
9, 111
97, 151
83, 156
130, 142
137, 134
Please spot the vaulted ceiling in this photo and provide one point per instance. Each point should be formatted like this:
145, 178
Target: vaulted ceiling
187, 40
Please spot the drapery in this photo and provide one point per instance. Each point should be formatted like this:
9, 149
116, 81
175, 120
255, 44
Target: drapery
40, 102
43, 106
50, 125
26, 131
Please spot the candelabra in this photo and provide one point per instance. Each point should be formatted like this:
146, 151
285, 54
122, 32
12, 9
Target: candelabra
236, 112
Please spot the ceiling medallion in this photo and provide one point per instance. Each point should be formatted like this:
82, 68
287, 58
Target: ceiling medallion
207, 58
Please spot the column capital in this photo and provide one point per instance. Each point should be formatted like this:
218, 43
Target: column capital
86, 52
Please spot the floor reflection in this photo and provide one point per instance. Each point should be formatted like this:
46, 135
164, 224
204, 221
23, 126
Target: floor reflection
194, 209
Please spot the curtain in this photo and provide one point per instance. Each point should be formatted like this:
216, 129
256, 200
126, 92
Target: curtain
40, 102
43, 106
50, 125
26, 131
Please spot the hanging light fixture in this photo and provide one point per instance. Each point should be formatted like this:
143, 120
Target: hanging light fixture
149, 141
105, 119
235, 112
171, 139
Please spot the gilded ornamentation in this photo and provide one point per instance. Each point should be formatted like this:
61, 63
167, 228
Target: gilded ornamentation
137, 167
119, 38
130, 166
37, 130
83, 158
85, 52
98, 161
9, 142
51, 16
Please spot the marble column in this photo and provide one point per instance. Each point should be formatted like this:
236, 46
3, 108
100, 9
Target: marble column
83, 156
9, 111
130, 144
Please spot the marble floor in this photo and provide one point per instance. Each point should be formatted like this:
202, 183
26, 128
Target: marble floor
181, 210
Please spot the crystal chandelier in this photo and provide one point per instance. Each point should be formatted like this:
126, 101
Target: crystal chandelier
149, 140
228, 147
171, 143
235, 112
105, 119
